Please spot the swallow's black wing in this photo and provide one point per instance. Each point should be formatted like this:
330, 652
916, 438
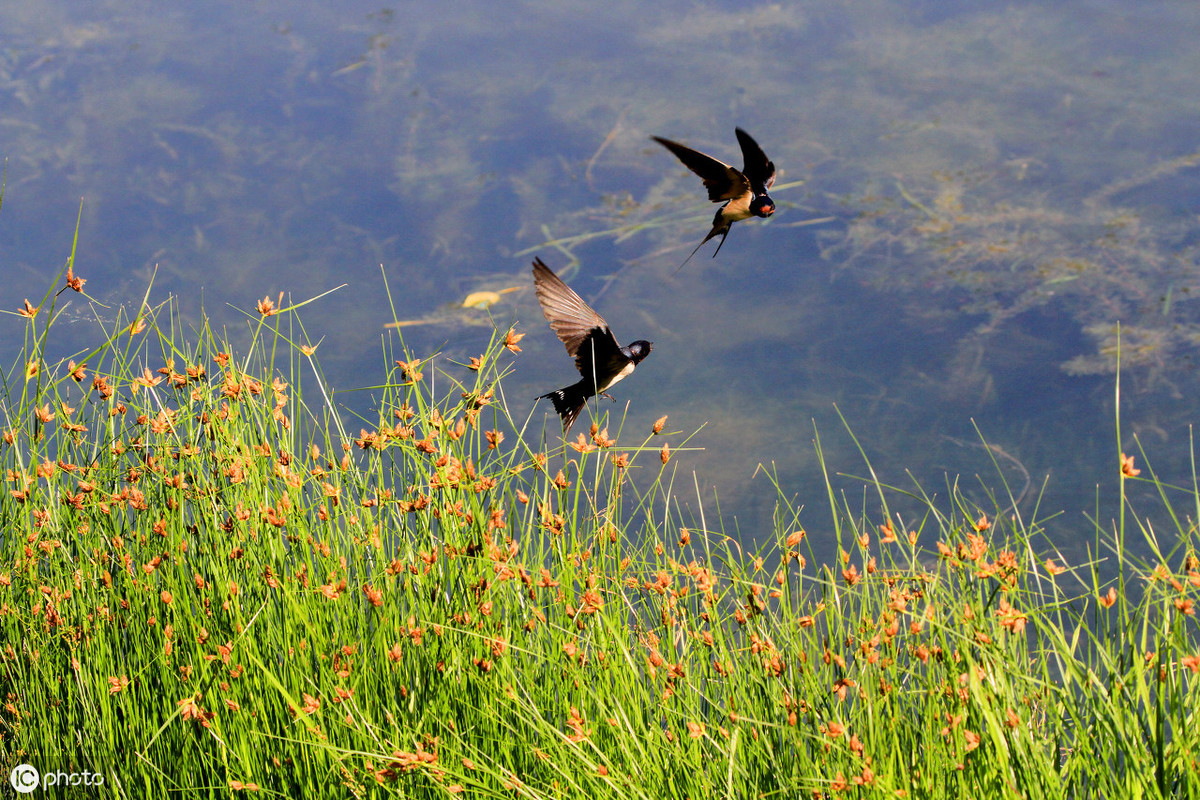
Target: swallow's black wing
722, 181
584, 332
599, 359
758, 168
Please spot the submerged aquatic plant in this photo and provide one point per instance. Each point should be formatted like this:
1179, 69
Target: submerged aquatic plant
982, 246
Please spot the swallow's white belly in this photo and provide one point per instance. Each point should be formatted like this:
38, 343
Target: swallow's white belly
618, 377
738, 208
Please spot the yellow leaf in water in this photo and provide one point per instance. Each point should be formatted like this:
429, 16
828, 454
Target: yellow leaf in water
480, 299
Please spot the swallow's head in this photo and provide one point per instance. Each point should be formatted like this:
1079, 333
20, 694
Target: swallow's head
762, 206
639, 350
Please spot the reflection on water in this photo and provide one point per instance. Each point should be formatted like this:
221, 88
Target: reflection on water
997, 187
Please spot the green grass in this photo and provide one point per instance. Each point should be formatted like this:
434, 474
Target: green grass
208, 586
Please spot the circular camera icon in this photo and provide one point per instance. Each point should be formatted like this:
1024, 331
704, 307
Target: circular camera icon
24, 778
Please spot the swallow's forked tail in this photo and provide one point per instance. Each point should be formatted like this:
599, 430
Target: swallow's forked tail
711, 234
568, 403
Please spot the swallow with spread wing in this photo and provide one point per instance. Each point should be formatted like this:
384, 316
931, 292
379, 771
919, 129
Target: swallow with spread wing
599, 358
744, 193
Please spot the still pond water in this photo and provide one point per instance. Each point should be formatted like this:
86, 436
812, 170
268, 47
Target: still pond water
970, 201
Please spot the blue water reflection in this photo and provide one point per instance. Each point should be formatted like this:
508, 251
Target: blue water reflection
998, 186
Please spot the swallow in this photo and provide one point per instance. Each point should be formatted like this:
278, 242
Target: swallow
744, 193
599, 358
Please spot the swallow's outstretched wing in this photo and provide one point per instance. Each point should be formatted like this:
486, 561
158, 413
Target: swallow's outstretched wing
722, 181
582, 331
758, 169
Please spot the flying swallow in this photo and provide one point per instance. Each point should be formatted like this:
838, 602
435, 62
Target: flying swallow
598, 357
744, 193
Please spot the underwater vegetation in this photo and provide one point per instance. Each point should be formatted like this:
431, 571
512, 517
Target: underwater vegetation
972, 243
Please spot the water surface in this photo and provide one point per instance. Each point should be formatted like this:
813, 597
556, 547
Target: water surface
987, 193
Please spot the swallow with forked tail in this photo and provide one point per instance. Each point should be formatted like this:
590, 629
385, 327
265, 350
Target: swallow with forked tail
599, 358
744, 193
